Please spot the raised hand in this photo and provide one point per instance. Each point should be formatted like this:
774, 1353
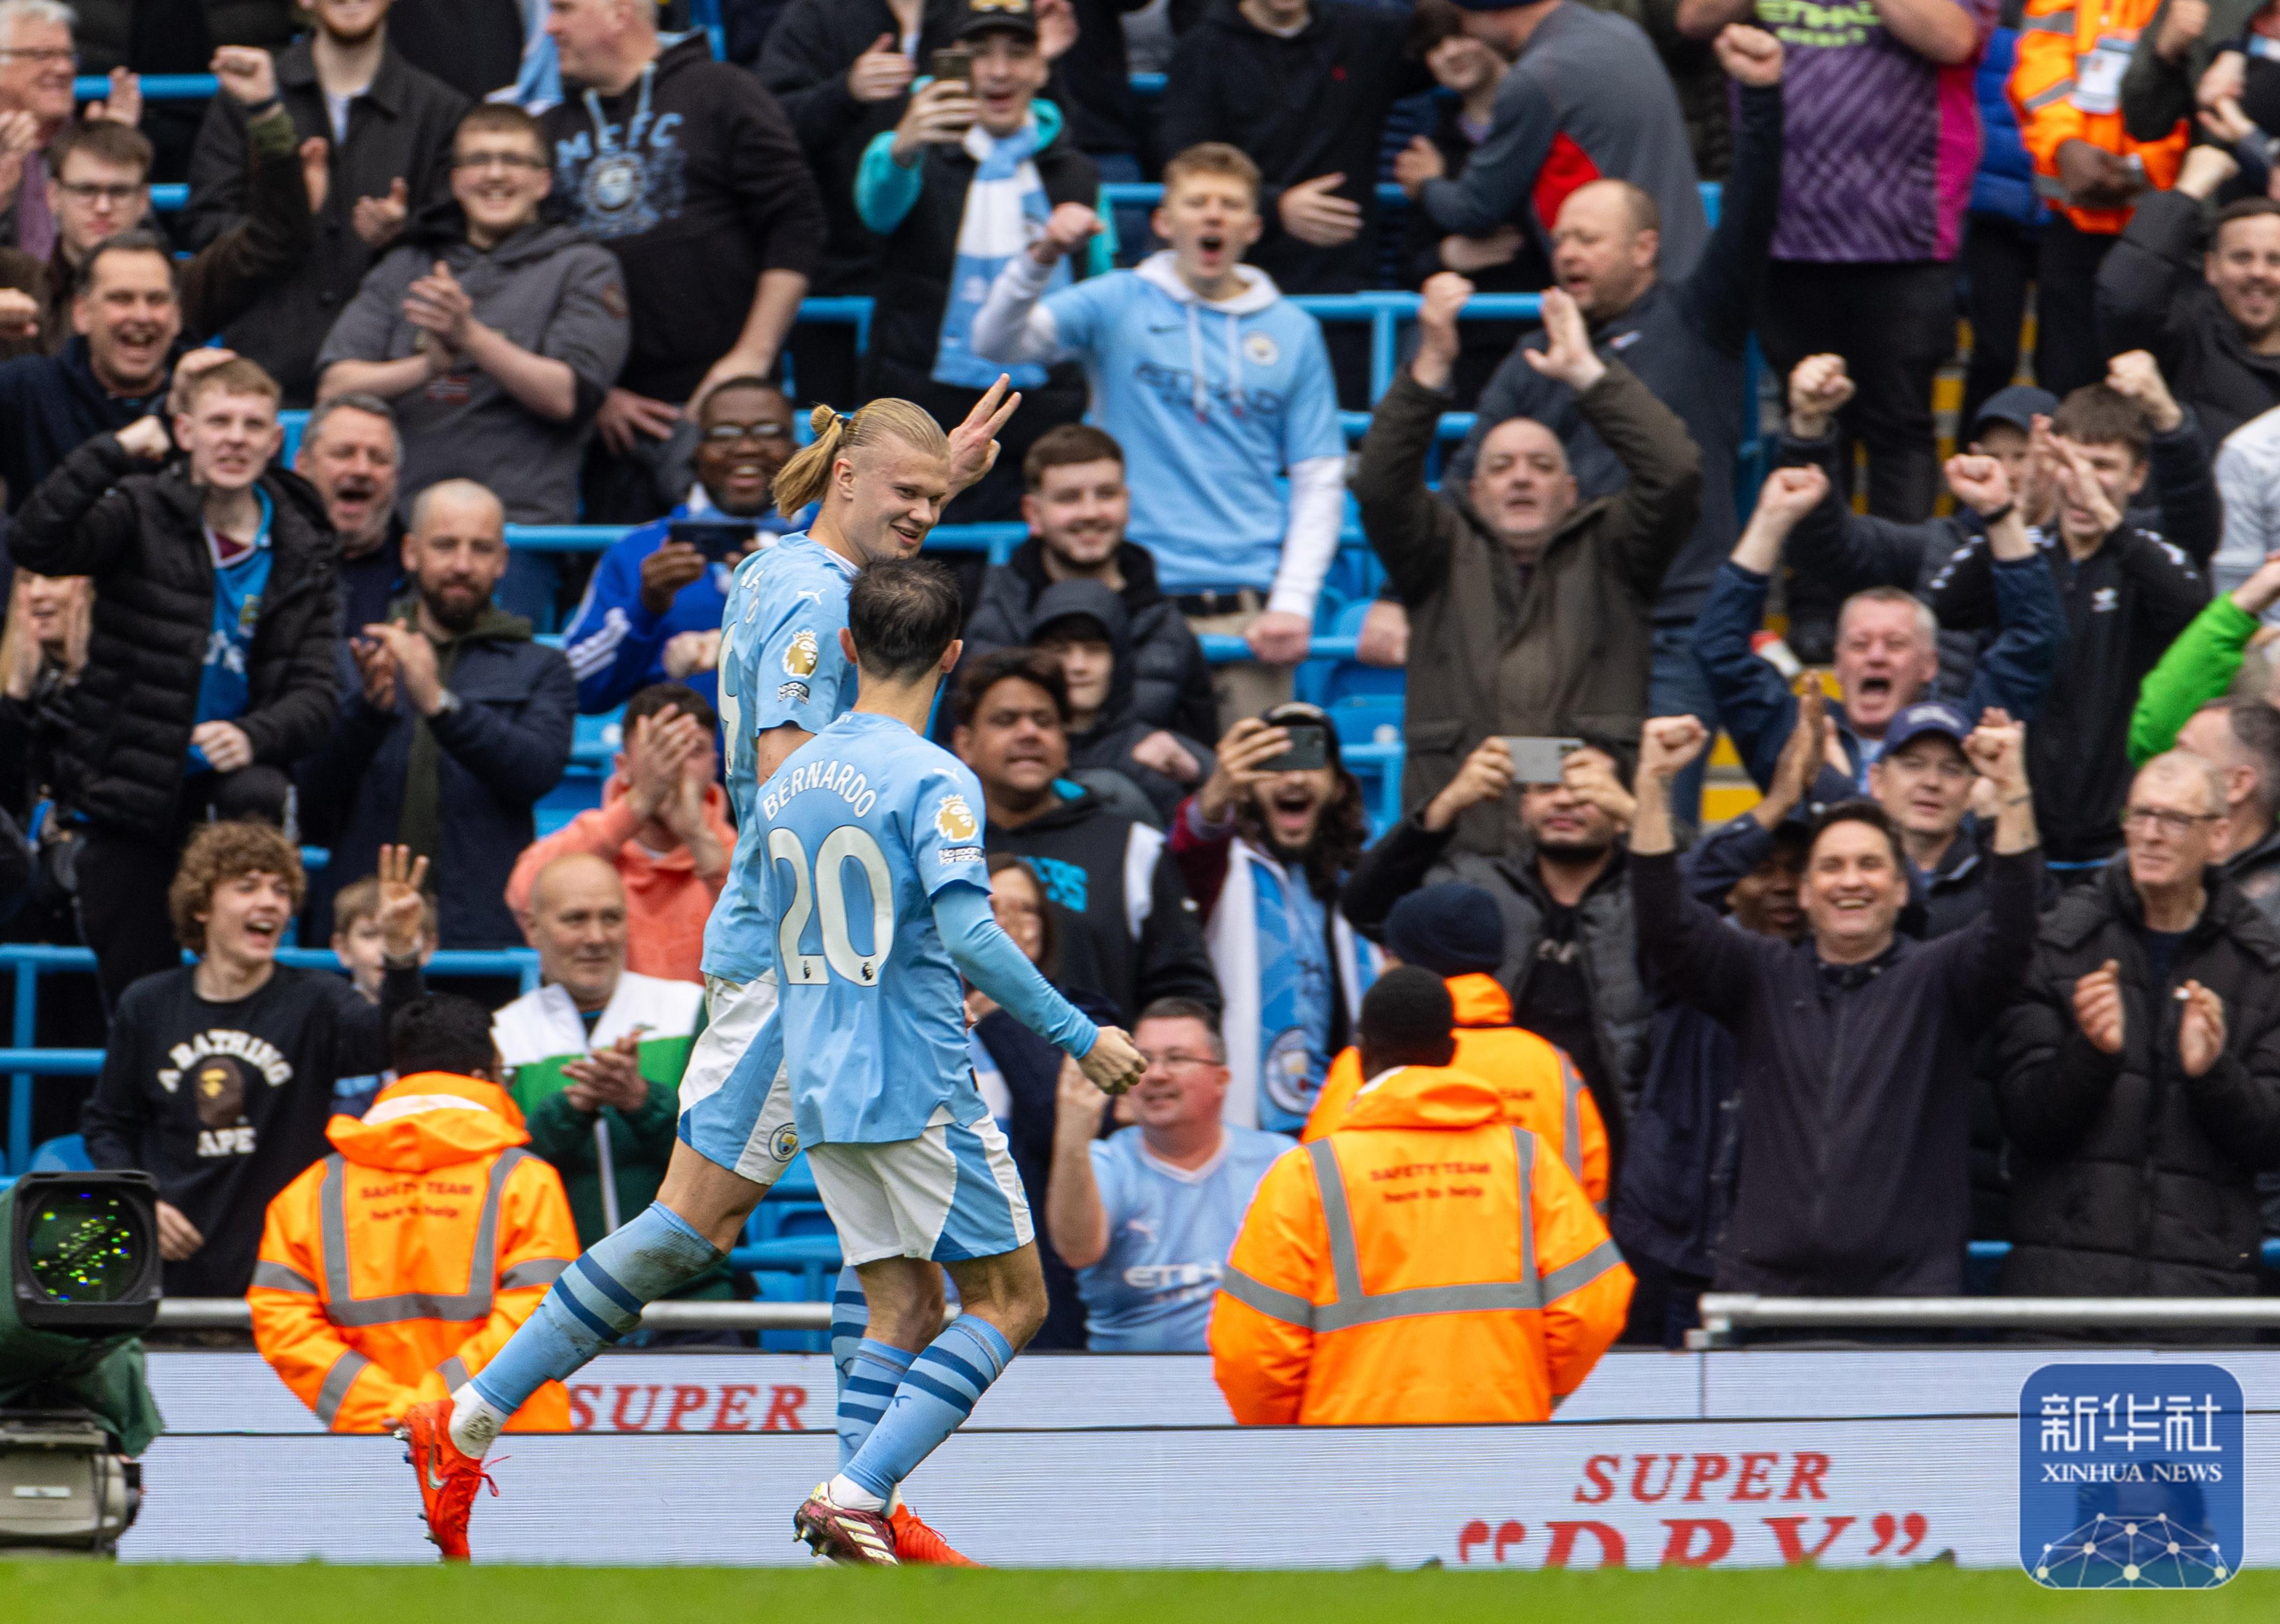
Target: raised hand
939, 115
881, 73
2097, 1008
377, 220
1979, 483
1802, 754
2135, 376
2078, 483
402, 910
1819, 387
248, 76
1439, 303
317, 172
1485, 777
145, 437
437, 303
974, 443
1668, 744
1753, 56
1067, 228
1567, 354
1996, 750
2262, 589
2200, 1028
1588, 776
123, 105
1242, 751
1790, 494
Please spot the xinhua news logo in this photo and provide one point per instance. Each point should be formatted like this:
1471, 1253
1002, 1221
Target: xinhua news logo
2130, 1477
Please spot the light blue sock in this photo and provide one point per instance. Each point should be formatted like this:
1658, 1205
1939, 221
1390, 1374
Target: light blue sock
875, 1375
851, 1322
598, 1300
936, 1395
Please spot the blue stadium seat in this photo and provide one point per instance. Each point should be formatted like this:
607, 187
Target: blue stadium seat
67, 1154
1350, 680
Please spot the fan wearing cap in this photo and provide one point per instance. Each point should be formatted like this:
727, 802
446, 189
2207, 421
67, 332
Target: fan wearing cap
970, 174
1924, 780
1265, 846
1085, 625
1887, 655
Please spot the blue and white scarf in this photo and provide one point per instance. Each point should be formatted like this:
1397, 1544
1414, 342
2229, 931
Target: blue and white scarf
1006, 211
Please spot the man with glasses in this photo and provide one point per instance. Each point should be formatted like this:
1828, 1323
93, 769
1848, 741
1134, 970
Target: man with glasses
37, 63
652, 612
1147, 1215
2140, 1086
98, 173
496, 349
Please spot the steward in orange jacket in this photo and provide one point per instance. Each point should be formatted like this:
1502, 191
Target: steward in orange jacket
1543, 1091
1425, 1263
2066, 85
397, 1267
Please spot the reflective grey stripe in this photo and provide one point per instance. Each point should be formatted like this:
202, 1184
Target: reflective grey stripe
338, 1380
454, 1373
2044, 98
2049, 189
533, 1271
1286, 1306
1353, 1305
343, 1309
1576, 1275
2057, 22
1571, 1122
1345, 1257
277, 1277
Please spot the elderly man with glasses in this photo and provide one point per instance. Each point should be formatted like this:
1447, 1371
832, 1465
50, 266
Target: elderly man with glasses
2140, 1085
653, 610
495, 345
38, 61
1146, 1216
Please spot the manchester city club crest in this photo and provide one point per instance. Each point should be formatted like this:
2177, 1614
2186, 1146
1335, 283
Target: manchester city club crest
613, 186
1283, 1074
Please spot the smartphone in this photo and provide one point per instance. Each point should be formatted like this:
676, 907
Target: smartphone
955, 64
1310, 748
717, 539
1538, 761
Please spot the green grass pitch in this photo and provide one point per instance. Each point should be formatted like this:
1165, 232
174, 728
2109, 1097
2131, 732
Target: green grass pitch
57, 1590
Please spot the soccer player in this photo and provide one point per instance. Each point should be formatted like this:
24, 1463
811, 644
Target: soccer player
883, 477
877, 877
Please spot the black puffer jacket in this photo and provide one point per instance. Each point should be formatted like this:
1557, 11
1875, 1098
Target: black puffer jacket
141, 535
2130, 1178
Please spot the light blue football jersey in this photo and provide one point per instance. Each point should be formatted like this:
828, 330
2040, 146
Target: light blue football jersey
780, 662
1169, 1233
861, 828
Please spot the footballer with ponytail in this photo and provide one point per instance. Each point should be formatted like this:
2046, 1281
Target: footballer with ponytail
885, 471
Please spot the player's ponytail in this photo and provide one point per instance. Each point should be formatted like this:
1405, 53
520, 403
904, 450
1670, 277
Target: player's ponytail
808, 474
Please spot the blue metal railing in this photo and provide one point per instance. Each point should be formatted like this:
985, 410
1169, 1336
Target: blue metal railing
24, 1061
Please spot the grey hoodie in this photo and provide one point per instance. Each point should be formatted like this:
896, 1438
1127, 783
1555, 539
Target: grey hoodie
553, 292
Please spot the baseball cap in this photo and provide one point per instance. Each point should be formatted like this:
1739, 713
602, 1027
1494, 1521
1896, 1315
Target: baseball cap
980, 17
2019, 405
1930, 716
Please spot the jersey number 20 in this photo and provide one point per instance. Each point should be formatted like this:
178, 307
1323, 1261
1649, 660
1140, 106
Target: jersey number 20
828, 895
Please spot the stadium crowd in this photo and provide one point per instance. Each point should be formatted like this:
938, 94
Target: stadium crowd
1993, 954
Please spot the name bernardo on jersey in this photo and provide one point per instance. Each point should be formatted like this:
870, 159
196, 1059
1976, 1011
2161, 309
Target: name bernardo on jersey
837, 776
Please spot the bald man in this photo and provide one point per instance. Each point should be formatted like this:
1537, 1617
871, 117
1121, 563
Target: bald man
459, 725
1684, 339
596, 1051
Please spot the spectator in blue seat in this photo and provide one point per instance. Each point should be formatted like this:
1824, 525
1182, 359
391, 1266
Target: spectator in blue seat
1076, 509
1215, 385
453, 723
1084, 625
956, 191
651, 612
1147, 1216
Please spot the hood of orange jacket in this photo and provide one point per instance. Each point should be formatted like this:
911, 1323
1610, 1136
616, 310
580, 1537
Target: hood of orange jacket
1425, 1097
1481, 1000
430, 1120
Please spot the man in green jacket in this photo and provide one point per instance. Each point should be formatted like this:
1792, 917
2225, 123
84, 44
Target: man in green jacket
2194, 699
594, 1056
1530, 612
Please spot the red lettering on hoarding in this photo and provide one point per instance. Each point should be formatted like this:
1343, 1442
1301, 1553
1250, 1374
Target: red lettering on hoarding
1793, 1549
1508, 1534
1756, 1468
1804, 1477
1563, 1543
685, 1400
1885, 1527
730, 1416
1709, 1469
581, 1406
1603, 1486
1639, 1471
1474, 1533
625, 1397
784, 1406
1681, 1552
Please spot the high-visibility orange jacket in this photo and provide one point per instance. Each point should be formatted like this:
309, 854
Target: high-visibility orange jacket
1543, 1091
1429, 1262
397, 1267
2056, 74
